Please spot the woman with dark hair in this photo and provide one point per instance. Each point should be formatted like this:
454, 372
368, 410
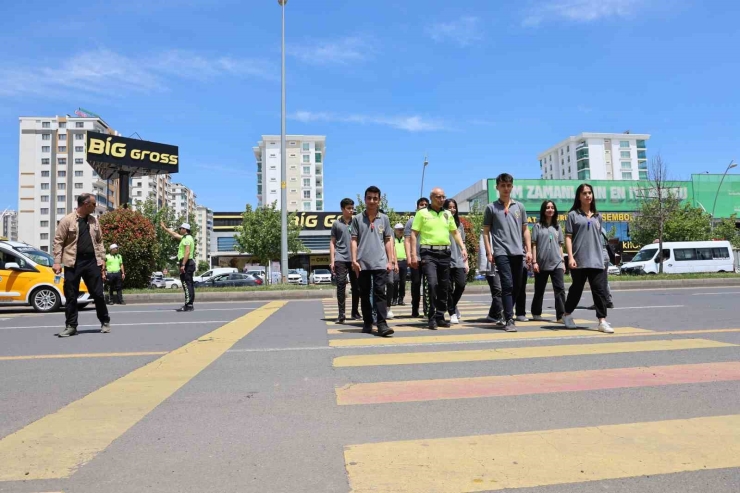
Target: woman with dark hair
547, 251
583, 242
458, 266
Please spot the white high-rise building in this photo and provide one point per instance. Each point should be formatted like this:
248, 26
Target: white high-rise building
597, 156
9, 225
204, 220
154, 186
53, 172
305, 171
181, 200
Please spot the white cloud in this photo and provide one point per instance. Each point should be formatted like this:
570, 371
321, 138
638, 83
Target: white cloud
342, 51
463, 31
580, 10
413, 123
106, 72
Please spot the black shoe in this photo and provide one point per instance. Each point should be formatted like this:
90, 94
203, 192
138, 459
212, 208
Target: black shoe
414, 313
110, 302
367, 329
340, 320
610, 305
121, 302
401, 303
443, 323
356, 316
185, 308
432, 324
393, 303
384, 331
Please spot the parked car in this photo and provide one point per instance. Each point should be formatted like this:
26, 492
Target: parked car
206, 276
233, 279
613, 270
257, 273
320, 276
165, 282
294, 277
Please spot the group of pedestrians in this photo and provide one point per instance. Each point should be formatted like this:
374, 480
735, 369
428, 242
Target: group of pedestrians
374, 257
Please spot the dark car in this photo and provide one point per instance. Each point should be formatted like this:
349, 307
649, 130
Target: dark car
232, 280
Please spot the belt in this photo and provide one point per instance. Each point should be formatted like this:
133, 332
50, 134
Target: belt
114, 272
444, 248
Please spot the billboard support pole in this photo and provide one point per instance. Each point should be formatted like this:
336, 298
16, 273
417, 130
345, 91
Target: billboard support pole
123, 188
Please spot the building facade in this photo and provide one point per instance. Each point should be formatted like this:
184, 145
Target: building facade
182, 200
472, 198
596, 156
155, 186
9, 225
53, 172
305, 171
204, 219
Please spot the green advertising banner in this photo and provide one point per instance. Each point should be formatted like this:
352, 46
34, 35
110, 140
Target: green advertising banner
707, 189
611, 196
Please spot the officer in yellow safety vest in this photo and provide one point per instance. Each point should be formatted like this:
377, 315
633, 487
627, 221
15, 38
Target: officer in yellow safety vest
398, 290
116, 275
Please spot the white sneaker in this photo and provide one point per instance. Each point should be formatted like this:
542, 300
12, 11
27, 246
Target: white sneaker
454, 319
538, 318
521, 318
569, 322
605, 327
457, 312
389, 316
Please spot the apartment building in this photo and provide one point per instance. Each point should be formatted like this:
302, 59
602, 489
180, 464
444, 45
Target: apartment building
597, 156
9, 225
182, 200
53, 172
305, 171
204, 220
156, 187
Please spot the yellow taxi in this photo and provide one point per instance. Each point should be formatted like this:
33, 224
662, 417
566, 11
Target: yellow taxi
26, 278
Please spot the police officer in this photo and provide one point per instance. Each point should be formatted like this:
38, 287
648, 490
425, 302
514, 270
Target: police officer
399, 285
422, 203
432, 229
116, 275
185, 263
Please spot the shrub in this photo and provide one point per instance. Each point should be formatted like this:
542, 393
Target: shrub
137, 243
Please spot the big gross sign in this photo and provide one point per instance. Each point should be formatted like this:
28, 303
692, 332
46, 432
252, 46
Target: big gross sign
109, 154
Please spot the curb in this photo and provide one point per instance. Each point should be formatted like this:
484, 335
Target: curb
320, 294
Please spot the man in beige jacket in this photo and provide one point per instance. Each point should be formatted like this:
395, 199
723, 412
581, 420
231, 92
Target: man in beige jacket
78, 247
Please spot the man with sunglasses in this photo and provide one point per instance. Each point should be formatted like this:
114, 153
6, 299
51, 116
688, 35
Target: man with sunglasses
422, 203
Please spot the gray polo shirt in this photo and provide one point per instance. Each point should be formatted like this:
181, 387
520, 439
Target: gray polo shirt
456, 259
340, 231
407, 232
586, 237
371, 240
549, 241
506, 228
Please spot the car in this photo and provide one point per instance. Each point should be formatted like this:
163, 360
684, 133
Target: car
613, 270
233, 279
257, 273
320, 276
206, 276
27, 278
294, 277
165, 282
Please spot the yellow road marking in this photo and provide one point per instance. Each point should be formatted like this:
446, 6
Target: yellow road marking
82, 355
454, 338
539, 458
525, 352
421, 326
58, 444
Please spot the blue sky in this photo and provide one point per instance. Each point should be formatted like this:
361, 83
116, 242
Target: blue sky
480, 86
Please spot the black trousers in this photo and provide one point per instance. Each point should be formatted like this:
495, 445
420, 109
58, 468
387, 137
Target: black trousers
187, 282
497, 305
87, 269
457, 288
436, 267
597, 280
373, 281
341, 269
521, 297
400, 284
510, 269
115, 285
558, 287
415, 289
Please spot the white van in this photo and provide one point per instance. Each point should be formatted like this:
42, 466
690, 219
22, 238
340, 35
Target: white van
206, 276
683, 257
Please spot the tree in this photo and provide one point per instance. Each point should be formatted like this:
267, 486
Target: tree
203, 266
726, 230
259, 234
136, 239
471, 245
167, 252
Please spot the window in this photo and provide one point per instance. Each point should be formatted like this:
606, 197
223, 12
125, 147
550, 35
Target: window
79, 185
44, 186
307, 182
45, 136
62, 125
568, 148
44, 224
720, 253
568, 158
626, 164
62, 136
641, 144
307, 194
624, 144
293, 178
561, 151
293, 190
45, 149
138, 193
79, 136
61, 198
44, 236
318, 157
45, 174
79, 124
44, 198
306, 146
79, 149
307, 170
45, 124
62, 160
307, 206
79, 173
625, 155
79, 160
642, 165
61, 174
306, 158
626, 175
45, 160
61, 148
61, 210
643, 175
61, 186
44, 211
685, 254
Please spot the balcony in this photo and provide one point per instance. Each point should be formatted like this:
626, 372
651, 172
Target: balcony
641, 144
642, 165
319, 184
318, 157
583, 165
641, 154
582, 153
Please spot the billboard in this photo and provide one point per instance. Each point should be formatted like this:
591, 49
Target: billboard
707, 189
611, 196
111, 154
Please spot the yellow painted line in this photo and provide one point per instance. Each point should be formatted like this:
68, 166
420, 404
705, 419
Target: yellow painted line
81, 355
622, 331
455, 338
405, 326
58, 444
498, 354
540, 458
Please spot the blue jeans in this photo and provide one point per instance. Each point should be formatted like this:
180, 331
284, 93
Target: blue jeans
506, 264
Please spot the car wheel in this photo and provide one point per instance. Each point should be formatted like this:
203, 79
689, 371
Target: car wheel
45, 300
174, 286
152, 286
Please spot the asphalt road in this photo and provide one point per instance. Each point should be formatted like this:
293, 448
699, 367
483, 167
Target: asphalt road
274, 397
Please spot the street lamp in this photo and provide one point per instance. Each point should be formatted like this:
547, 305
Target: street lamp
426, 163
732, 164
283, 168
